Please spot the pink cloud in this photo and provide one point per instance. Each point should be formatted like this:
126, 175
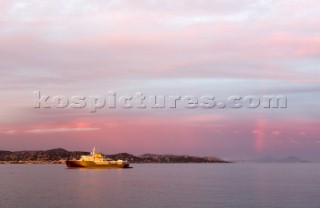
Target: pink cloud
276, 133
8, 132
39, 131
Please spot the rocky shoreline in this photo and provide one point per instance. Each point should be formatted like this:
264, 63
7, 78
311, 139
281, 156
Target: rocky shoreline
33, 162
59, 156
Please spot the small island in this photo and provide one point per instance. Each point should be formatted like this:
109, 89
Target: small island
59, 156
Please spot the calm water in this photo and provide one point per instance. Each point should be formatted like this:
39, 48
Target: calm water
162, 185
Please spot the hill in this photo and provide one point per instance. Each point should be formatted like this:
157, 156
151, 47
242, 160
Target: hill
59, 155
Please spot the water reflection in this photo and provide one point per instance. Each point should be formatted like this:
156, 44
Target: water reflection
162, 185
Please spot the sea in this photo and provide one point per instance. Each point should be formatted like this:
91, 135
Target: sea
234, 185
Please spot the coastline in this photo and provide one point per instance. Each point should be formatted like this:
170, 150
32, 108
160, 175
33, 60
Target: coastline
64, 162
60, 156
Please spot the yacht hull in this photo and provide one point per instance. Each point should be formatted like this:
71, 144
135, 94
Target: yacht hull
91, 164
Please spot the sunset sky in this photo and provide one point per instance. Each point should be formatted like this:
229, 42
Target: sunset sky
180, 47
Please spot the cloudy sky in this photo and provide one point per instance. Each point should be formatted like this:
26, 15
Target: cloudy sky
182, 47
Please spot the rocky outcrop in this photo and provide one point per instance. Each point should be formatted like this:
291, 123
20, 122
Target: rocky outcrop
40, 156
167, 158
59, 155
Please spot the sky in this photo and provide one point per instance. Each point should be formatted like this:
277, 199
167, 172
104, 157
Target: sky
182, 47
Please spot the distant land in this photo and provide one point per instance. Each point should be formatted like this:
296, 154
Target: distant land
59, 155
290, 159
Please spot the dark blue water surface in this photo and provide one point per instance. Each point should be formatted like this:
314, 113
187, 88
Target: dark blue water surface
162, 185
